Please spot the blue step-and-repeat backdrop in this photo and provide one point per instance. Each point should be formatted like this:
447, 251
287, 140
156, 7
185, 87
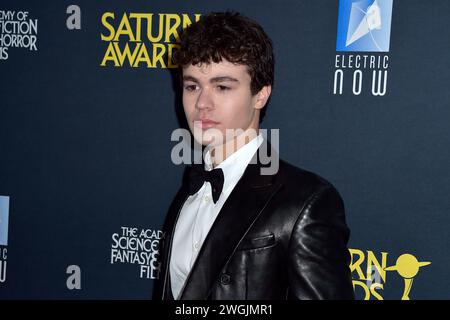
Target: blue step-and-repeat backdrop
88, 107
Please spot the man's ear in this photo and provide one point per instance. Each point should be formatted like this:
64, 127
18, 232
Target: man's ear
262, 96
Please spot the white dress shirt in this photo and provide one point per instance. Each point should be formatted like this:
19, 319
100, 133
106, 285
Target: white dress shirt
199, 213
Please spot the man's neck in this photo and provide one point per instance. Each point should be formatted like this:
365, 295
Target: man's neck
222, 152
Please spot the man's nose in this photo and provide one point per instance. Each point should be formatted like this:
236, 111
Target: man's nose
204, 100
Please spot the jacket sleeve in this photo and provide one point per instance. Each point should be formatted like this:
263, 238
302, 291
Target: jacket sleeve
318, 266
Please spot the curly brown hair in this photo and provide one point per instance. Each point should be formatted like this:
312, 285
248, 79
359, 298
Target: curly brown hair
233, 37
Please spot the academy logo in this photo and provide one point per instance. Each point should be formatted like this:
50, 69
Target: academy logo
364, 25
17, 30
138, 246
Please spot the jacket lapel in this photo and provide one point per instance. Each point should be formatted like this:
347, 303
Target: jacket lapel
169, 227
240, 210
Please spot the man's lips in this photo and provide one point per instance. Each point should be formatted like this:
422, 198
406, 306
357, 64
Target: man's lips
205, 123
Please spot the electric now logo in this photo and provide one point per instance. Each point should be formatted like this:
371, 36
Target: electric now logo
362, 47
4, 214
364, 25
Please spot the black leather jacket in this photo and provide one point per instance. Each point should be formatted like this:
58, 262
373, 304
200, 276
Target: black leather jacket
282, 236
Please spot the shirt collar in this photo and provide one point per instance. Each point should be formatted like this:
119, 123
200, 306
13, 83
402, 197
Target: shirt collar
234, 166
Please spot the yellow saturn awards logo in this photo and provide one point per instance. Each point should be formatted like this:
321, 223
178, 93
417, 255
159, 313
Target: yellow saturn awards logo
407, 267
369, 271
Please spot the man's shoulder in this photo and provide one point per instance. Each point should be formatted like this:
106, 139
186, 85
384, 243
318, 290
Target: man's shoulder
302, 189
291, 174
301, 182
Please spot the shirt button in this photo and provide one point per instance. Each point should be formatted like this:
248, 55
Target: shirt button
196, 246
207, 198
225, 279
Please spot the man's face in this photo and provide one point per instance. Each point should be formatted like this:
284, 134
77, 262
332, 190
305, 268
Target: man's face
216, 97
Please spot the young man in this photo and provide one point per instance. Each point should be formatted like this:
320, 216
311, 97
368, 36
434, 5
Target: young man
233, 232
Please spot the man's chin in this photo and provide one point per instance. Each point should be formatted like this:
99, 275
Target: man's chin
210, 143
210, 137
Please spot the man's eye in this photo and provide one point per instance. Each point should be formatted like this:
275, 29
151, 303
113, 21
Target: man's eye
190, 87
223, 88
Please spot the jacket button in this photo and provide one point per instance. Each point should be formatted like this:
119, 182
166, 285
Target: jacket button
225, 279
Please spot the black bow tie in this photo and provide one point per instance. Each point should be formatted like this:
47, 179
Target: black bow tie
198, 175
